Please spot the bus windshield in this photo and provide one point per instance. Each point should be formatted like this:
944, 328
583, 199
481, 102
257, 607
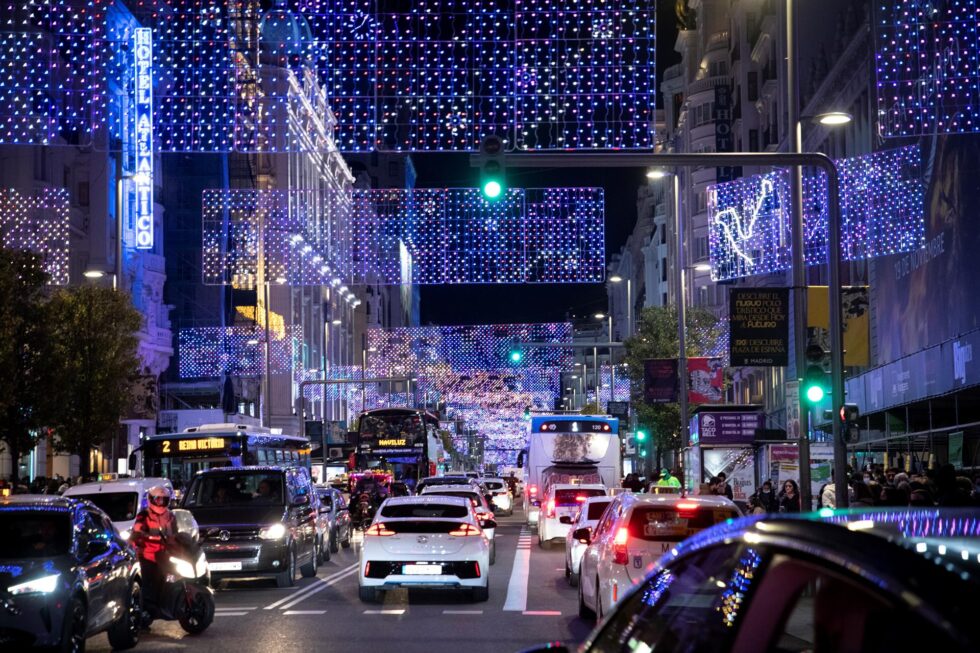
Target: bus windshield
398, 426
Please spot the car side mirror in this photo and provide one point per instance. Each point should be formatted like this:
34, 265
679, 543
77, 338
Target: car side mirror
488, 523
301, 500
565, 519
96, 548
583, 535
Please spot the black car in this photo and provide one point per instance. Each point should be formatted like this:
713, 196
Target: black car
256, 521
65, 575
841, 582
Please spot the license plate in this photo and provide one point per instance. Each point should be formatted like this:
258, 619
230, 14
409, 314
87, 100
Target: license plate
421, 570
225, 566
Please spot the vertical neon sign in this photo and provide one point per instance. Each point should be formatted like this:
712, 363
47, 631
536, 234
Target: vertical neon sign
143, 104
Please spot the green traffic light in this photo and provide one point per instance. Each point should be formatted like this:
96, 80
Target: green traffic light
814, 393
643, 453
515, 356
492, 189
641, 435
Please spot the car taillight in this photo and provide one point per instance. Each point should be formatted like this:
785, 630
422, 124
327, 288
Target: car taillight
476, 568
581, 498
687, 506
367, 569
619, 546
466, 530
549, 510
534, 490
379, 530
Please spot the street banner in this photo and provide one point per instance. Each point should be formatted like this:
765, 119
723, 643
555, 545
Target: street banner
660, 380
857, 324
759, 319
725, 427
792, 409
706, 380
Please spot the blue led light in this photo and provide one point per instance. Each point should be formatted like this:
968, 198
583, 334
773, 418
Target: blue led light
210, 352
40, 224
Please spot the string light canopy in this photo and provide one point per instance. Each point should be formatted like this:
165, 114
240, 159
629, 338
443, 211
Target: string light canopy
431, 75
927, 67
882, 207
40, 224
210, 352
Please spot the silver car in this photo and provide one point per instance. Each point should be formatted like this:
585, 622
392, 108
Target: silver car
334, 508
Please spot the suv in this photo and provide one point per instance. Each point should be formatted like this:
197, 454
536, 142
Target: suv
257, 521
121, 498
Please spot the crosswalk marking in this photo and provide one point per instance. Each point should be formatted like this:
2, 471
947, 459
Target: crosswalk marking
519, 575
395, 612
229, 614
462, 611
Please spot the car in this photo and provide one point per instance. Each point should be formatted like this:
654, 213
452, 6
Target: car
432, 541
480, 507
633, 532
587, 516
120, 498
334, 509
562, 500
833, 581
429, 481
65, 575
256, 522
501, 499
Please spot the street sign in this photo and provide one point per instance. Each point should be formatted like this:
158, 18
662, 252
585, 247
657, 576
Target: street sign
759, 319
620, 409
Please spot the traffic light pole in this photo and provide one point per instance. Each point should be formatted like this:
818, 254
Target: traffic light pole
723, 159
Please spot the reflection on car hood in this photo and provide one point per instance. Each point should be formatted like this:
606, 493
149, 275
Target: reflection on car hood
14, 572
258, 515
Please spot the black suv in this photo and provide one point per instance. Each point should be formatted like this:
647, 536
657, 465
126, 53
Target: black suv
65, 574
256, 521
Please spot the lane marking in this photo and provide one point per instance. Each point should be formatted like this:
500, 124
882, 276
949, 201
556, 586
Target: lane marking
311, 588
542, 613
235, 608
393, 612
230, 614
322, 586
292, 612
462, 611
520, 574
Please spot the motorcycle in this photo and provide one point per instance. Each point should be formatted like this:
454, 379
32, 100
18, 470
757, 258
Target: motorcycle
362, 511
185, 594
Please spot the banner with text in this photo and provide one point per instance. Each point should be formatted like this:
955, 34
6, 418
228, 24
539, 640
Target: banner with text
660, 380
759, 319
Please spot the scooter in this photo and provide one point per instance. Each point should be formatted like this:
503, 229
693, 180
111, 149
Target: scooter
186, 594
363, 512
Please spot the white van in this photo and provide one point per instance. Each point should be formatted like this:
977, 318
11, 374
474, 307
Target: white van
120, 498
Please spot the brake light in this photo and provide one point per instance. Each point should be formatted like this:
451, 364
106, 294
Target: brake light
619, 546
466, 530
367, 568
379, 530
581, 498
687, 506
549, 510
534, 490
476, 567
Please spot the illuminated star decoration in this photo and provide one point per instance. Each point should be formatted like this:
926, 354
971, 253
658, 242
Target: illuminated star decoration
40, 224
882, 212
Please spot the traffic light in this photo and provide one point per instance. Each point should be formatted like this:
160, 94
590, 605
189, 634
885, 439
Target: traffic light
641, 436
849, 416
515, 355
527, 412
492, 177
815, 379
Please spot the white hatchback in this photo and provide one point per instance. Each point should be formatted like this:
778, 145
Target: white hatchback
484, 515
425, 541
502, 503
634, 531
120, 498
587, 517
562, 501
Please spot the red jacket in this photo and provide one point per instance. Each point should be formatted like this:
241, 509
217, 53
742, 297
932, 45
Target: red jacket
149, 532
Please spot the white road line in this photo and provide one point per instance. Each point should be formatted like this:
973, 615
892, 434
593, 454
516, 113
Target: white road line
309, 589
519, 575
235, 608
322, 586
542, 613
230, 614
462, 611
394, 612
291, 612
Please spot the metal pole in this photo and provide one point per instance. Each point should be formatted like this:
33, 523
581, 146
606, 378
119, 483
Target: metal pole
799, 264
363, 385
267, 377
629, 308
836, 340
681, 311
595, 370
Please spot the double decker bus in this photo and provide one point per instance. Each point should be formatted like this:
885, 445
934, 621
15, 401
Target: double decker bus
568, 449
178, 456
396, 440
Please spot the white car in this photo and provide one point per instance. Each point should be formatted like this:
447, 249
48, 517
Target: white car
120, 498
483, 513
563, 500
425, 541
502, 503
634, 531
587, 517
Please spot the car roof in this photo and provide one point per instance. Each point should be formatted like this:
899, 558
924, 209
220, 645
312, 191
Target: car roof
671, 500
270, 469
578, 486
432, 489
119, 485
426, 500
46, 501
598, 499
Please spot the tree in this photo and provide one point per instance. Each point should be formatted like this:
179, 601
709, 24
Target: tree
591, 408
95, 354
656, 337
25, 355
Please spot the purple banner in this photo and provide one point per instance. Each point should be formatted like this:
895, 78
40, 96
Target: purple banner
660, 380
725, 427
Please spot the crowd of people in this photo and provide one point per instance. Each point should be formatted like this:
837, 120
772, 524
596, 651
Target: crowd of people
40, 485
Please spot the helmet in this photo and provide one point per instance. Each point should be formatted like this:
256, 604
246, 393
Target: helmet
159, 498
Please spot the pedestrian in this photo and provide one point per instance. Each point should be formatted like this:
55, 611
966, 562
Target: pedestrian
727, 489
767, 497
755, 506
863, 497
789, 497
716, 486
666, 480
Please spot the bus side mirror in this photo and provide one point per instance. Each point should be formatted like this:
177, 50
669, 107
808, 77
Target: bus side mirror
520, 458
132, 461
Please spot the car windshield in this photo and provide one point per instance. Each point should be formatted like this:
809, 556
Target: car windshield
596, 509
661, 524
120, 506
326, 500
472, 496
430, 510
34, 534
575, 497
494, 485
237, 489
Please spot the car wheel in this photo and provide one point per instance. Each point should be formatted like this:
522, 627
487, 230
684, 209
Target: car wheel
125, 633
334, 547
327, 549
598, 601
346, 542
75, 625
573, 579
568, 572
368, 594
480, 594
544, 544
584, 611
288, 578
493, 552
309, 569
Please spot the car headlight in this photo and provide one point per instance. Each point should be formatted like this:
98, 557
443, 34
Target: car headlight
125, 534
201, 566
183, 568
43, 585
274, 532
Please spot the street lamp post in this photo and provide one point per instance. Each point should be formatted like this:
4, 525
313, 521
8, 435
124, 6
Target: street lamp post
629, 304
681, 312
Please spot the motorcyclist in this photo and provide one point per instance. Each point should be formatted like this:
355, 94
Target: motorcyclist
154, 525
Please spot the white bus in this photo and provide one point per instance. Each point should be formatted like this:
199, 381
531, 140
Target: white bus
568, 449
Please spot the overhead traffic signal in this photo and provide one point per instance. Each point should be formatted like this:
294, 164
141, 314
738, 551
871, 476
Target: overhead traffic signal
816, 384
492, 177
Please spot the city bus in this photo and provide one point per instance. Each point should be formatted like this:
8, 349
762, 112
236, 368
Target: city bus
568, 449
178, 456
402, 441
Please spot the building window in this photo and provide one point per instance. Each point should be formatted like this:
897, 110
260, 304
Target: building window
700, 248
753, 86
718, 68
